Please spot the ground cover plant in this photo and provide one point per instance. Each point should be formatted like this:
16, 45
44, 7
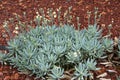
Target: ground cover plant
59, 67
43, 48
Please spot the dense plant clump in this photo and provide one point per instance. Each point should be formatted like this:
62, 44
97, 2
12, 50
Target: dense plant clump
50, 50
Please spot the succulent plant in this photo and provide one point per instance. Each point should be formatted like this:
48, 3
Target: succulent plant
56, 73
107, 44
2, 58
42, 48
91, 64
81, 71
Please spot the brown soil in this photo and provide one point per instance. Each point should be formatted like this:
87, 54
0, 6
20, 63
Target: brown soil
109, 9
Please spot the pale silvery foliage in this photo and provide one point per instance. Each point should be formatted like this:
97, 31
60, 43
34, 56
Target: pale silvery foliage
42, 48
